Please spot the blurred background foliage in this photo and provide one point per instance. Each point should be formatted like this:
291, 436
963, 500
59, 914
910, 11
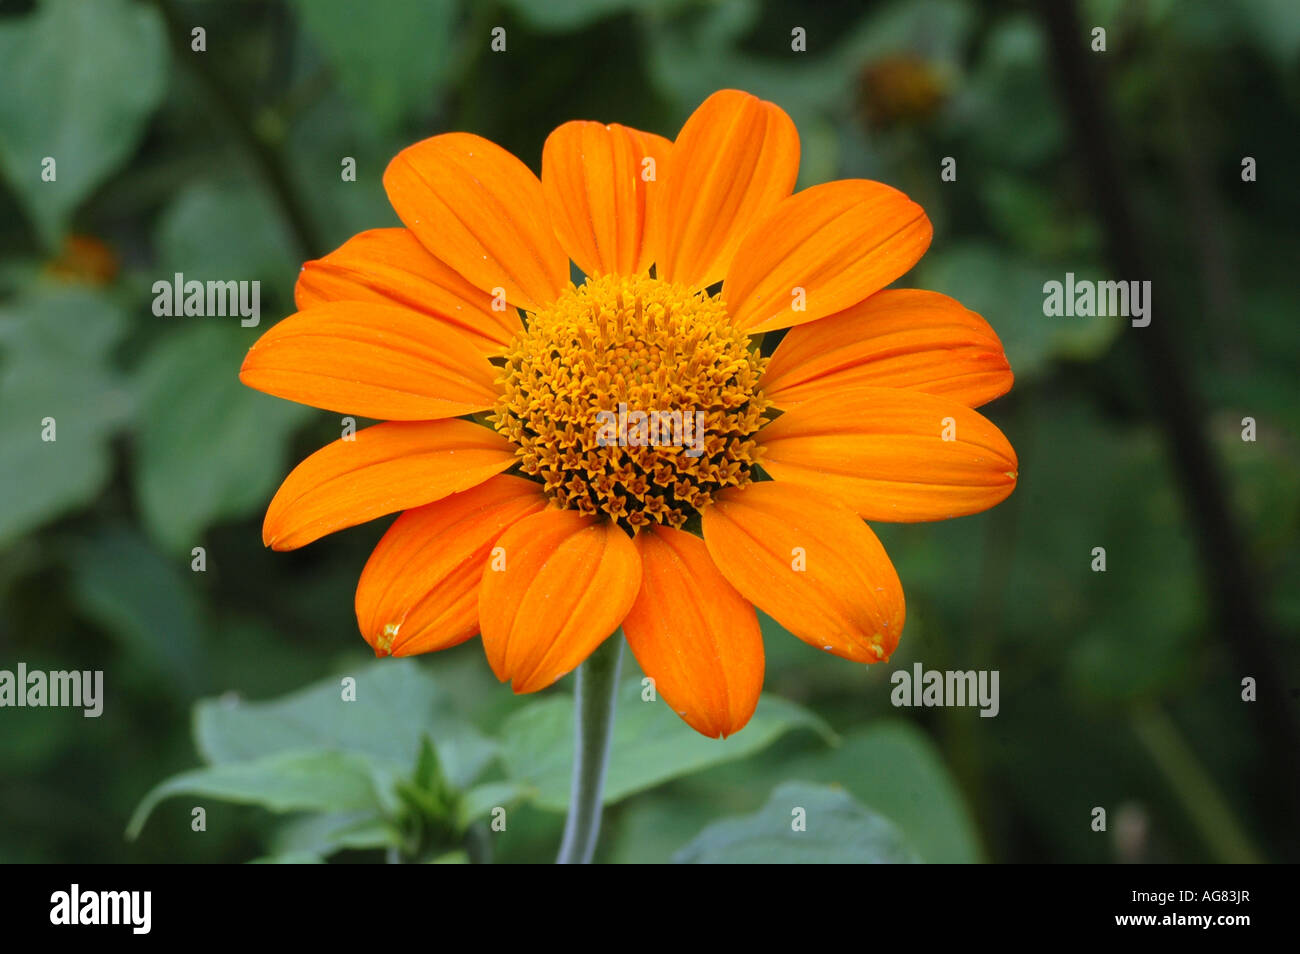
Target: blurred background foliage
1117, 688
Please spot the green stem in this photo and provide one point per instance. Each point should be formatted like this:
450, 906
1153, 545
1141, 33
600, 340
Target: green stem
1195, 788
262, 149
594, 702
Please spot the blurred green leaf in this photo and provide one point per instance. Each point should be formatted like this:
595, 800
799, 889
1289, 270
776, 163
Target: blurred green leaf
284, 782
937, 30
80, 81
481, 800
650, 828
1272, 24
1010, 111
396, 64
556, 16
692, 57
1034, 218
209, 448
650, 743
838, 831
396, 704
457, 857
55, 347
323, 834
893, 767
228, 231
120, 581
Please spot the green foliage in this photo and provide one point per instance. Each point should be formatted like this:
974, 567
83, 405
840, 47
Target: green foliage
81, 80
650, 743
396, 706
217, 229
838, 831
889, 766
44, 331
393, 67
209, 449
285, 782
563, 15
378, 760
143, 599
893, 768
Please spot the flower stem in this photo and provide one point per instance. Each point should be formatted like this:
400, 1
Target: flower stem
594, 702
1201, 796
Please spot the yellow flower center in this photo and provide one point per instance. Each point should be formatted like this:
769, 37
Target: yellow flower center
635, 398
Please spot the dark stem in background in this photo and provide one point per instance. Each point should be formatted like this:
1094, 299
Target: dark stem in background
1209, 231
264, 155
1235, 600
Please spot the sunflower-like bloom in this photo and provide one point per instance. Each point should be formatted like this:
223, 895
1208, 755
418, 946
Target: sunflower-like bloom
570, 459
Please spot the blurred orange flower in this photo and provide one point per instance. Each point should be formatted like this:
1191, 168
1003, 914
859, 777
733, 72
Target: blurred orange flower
85, 259
899, 89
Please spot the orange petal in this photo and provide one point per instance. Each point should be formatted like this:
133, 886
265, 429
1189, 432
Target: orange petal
734, 160
482, 211
694, 634
596, 194
653, 174
897, 338
811, 564
822, 250
567, 583
390, 267
383, 469
372, 360
893, 455
419, 590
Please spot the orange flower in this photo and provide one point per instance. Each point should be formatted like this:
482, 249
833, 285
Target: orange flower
523, 521
84, 259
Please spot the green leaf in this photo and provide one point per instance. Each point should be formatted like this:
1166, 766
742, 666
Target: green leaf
890, 766
209, 448
324, 834
284, 782
54, 350
397, 64
479, 801
396, 704
81, 80
650, 745
457, 857
837, 830
433, 800
1272, 25
651, 828
556, 16
146, 601
893, 767
227, 231
290, 858
1006, 110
